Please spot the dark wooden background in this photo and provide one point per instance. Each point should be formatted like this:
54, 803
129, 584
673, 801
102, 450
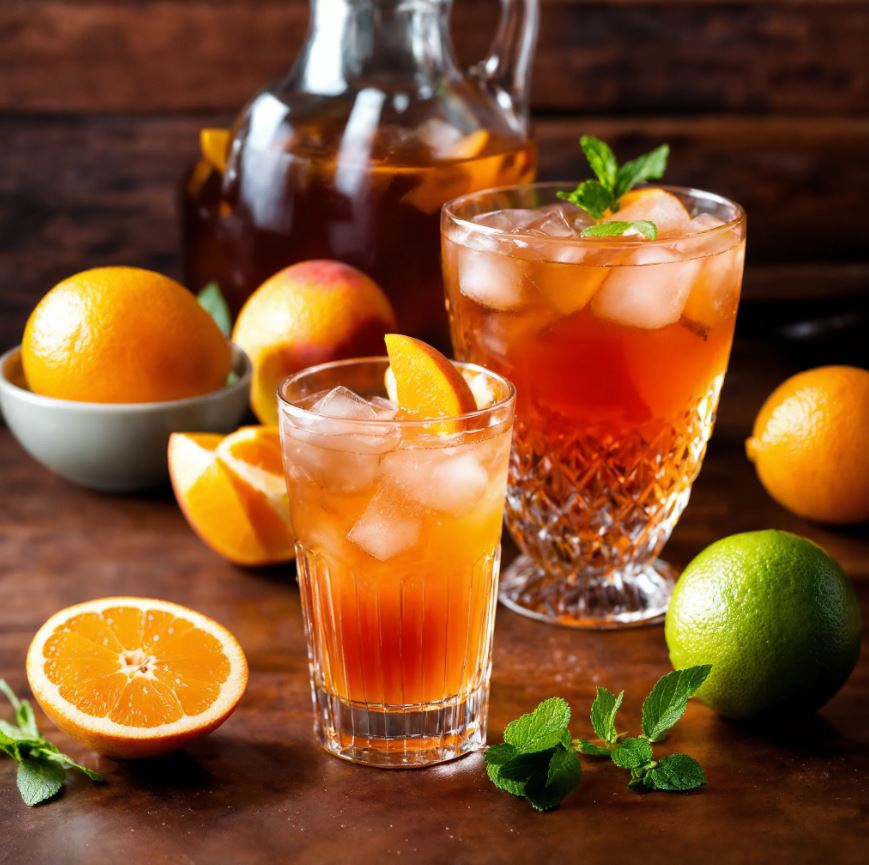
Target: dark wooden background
766, 101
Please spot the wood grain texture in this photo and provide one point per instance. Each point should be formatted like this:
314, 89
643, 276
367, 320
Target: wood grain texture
259, 790
611, 56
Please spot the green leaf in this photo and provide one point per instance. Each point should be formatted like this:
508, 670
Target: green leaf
601, 159
9, 694
497, 755
563, 775
615, 228
26, 719
39, 779
603, 714
590, 749
213, 302
592, 196
51, 753
522, 767
675, 773
650, 166
541, 729
668, 699
632, 753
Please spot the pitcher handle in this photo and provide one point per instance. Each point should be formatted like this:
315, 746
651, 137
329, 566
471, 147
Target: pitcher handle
508, 66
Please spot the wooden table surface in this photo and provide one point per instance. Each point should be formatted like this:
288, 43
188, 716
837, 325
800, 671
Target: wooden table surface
259, 790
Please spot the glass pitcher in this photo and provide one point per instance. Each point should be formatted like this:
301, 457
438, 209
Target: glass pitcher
352, 154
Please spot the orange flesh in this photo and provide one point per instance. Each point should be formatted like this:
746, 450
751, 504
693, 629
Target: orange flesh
140, 668
427, 384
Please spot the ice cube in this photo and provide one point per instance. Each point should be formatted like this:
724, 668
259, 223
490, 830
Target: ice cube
658, 206
704, 222
445, 479
650, 292
439, 136
384, 409
341, 402
509, 219
552, 223
492, 279
385, 528
715, 293
336, 470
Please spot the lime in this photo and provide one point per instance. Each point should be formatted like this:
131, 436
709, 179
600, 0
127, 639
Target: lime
776, 617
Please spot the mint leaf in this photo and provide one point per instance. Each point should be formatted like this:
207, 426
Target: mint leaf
590, 749
650, 166
521, 768
9, 694
541, 729
497, 755
603, 714
601, 160
675, 773
51, 753
614, 228
631, 753
213, 302
592, 196
39, 779
563, 775
668, 699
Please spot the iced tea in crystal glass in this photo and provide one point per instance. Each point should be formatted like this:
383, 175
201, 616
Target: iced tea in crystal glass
617, 347
398, 527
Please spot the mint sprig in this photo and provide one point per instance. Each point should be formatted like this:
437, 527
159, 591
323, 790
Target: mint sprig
597, 197
662, 709
536, 761
41, 765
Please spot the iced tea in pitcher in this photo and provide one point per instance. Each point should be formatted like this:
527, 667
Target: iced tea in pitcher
352, 156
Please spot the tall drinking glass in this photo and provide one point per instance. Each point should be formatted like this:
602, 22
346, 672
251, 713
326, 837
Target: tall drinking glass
398, 526
618, 348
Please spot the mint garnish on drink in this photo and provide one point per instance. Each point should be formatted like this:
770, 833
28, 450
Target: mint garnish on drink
536, 760
601, 196
41, 766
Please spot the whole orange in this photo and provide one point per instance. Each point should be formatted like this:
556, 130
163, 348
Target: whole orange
308, 313
809, 444
122, 334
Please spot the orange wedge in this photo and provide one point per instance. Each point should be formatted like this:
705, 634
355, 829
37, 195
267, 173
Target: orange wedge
135, 677
214, 146
427, 385
233, 494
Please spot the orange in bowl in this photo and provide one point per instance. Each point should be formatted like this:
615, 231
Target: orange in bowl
135, 677
122, 335
308, 313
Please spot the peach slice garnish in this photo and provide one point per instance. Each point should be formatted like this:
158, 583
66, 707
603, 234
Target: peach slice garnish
427, 385
654, 205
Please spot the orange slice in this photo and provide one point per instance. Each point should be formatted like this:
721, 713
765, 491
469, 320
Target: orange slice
427, 385
233, 494
135, 677
214, 146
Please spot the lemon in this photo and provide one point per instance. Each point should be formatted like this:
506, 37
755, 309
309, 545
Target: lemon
776, 617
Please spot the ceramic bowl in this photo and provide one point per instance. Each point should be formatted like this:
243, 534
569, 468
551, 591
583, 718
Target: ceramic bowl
117, 447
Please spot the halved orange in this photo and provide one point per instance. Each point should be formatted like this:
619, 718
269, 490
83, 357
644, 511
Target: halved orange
232, 492
427, 385
135, 677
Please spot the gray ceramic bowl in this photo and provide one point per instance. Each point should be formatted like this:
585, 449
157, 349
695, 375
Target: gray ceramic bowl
118, 447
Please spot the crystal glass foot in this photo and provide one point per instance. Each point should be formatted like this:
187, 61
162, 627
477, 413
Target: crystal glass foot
635, 596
